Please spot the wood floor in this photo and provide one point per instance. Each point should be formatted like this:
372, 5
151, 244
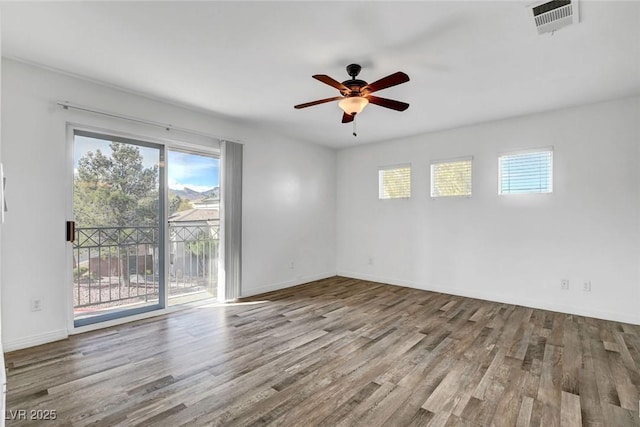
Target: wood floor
339, 352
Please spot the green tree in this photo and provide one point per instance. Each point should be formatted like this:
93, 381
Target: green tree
115, 190
185, 205
174, 202
178, 204
203, 247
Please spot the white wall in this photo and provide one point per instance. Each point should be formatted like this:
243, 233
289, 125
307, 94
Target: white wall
289, 200
512, 249
289, 196
3, 372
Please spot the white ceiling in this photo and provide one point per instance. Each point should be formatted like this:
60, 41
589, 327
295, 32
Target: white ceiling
468, 62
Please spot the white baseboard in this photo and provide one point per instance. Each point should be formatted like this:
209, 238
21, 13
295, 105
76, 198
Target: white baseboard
283, 285
542, 305
35, 340
61, 334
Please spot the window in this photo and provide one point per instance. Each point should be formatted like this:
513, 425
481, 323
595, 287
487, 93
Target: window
394, 182
451, 178
526, 172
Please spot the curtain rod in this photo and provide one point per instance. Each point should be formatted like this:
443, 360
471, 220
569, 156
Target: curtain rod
168, 127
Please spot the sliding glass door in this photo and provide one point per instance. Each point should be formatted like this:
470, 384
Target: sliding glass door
118, 208
134, 204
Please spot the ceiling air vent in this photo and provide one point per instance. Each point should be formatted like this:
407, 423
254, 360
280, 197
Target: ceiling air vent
553, 15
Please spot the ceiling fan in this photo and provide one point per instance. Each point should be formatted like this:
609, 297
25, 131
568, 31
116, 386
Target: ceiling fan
356, 94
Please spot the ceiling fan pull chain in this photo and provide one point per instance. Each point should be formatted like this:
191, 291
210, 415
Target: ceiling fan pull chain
354, 125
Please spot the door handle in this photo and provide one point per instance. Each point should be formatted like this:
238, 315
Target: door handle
71, 231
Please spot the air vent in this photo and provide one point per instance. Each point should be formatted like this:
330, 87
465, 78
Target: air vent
550, 16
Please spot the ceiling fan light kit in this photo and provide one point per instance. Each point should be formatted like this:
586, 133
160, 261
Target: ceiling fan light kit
356, 94
353, 105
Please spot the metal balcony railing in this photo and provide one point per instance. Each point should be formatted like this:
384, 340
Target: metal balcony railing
116, 266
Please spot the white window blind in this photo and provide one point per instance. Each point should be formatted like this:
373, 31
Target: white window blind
451, 178
526, 172
394, 182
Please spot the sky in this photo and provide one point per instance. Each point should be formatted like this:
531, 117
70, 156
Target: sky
197, 172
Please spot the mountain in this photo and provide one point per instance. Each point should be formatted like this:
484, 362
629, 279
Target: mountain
192, 195
214, 193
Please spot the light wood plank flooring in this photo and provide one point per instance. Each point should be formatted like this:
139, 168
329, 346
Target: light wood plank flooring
339, 352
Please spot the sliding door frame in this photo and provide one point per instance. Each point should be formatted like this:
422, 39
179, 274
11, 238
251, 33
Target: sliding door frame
165, 144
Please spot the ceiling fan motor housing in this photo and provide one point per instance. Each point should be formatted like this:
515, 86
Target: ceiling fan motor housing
354, 86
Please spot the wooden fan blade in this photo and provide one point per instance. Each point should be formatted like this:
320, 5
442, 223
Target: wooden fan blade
388, 103
320, 101
385, 82
347, 118
331, 82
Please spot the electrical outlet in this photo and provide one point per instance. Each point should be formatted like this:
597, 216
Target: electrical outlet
36, 304
586, 286
564, 284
